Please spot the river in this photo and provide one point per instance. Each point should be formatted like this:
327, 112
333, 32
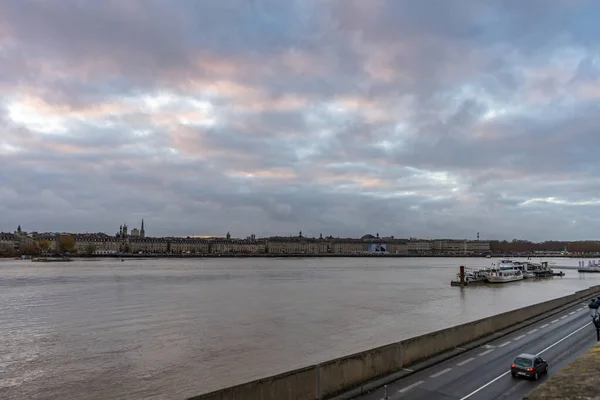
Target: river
171, 328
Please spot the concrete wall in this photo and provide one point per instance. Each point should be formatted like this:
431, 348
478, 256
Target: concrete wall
338, 375
298, 384
342, 374
428, 345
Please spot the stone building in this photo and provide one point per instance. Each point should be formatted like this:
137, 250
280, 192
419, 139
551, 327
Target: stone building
347, 246
297, 245
188, 245
148, 245
419, 246
8, 243
98, 243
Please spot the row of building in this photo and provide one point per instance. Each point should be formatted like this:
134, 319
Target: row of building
102, 244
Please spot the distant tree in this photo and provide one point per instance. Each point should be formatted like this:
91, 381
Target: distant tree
90, 249
29, 249
6, 250
43, 245
66, 243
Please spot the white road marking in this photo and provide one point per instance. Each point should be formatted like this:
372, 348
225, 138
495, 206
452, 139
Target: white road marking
468, 360
579, 309
460, 348
572, 312
504, 344
543, 326
519, 337
554, 321
414, 385
486, 352
441, 373
565, 338
564, 316
409, 370
532, 331
508, 372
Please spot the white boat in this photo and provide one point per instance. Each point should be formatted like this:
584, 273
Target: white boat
593, 266
529, 269
506, 275
506, 271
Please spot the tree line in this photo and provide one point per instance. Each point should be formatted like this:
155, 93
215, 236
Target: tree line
525, 246
65, 245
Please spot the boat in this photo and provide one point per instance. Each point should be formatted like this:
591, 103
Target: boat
471, 276
589, 269
505, 275
52, 259
529, 275
506, 271
530, 269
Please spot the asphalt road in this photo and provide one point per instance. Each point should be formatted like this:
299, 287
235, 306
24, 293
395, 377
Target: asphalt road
484, 373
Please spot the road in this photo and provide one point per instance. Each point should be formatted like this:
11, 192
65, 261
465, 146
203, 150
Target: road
484, 373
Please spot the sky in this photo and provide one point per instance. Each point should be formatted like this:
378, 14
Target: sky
430, 119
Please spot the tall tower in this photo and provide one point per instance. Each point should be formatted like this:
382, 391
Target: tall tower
478, 236
142, 231
124, 229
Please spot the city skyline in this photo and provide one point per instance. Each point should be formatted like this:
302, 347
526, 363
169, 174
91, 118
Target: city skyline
424, 119
125, 230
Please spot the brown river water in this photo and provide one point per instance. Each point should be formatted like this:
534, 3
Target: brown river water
172, 328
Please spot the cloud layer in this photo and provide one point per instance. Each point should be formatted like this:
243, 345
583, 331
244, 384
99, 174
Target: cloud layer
428, 118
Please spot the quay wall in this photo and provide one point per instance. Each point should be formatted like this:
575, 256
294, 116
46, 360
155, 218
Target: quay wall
325, 380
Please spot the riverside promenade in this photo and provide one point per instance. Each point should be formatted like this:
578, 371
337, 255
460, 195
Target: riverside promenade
577, 381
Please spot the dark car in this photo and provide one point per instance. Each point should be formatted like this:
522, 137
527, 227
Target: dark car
529, 366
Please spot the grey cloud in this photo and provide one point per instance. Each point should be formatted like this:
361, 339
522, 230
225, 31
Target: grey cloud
409, 152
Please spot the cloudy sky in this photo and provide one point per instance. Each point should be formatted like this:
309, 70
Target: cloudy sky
409, 118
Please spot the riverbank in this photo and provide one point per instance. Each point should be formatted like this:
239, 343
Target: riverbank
283, 255
319, 255
280, 255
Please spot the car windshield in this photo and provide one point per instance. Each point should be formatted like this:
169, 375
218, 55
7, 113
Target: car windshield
523, 362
